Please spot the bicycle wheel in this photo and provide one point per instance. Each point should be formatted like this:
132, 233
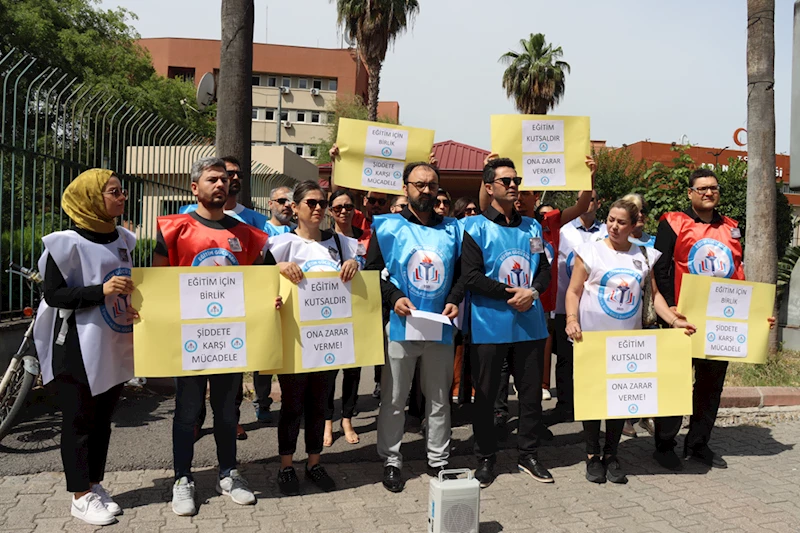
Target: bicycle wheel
13, 400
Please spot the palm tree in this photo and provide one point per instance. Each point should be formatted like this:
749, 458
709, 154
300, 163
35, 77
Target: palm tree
374, 25
535, 77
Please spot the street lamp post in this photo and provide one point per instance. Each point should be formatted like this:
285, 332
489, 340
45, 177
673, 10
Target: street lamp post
716, 155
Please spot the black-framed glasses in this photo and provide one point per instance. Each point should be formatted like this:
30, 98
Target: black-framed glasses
232, 173
507, 181
312, 204
443, 201
282, 201
401, 206
116, 193
380, 201
342, 207
703, 190
422, 185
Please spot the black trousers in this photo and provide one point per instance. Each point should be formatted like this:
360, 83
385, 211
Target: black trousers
501, 402
709, 379
303, 398
351, 378
377, 369
526, 362
564, 366
591, 432
85, 431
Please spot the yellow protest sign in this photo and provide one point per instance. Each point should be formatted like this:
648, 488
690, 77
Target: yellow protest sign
328, 325
373, 154
205, 320
549, 151
631, 374
730, 316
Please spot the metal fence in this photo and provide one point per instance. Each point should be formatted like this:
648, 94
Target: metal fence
54, 127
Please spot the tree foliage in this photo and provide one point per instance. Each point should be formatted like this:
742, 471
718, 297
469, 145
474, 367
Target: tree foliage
535, 77
347, 107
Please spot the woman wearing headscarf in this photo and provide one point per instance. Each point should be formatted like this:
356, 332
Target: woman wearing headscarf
83, 332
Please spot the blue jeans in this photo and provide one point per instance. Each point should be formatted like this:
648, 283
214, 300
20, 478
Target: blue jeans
190, 399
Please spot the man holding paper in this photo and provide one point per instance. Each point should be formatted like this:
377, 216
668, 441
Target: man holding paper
703, 242
420, 251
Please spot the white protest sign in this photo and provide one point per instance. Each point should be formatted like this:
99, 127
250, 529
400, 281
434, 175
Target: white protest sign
325, 346
729, 301
542, 136
212, 295
631, 355
324, 299
728, 339
544, 170
214, 345
632, 397
382, 174
386, 142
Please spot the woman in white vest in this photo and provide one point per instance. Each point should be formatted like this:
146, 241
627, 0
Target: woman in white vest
83, 332
304, 396
605, 294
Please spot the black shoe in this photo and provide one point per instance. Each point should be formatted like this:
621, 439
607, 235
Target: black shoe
288, 483
393, 479
319, 477
241, 434
705, 456
377, 392
614, 472
668, 459
531, 466
485, 471
595, 470
433, 471
558, 415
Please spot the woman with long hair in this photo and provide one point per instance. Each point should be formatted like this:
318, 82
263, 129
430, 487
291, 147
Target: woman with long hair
466, 206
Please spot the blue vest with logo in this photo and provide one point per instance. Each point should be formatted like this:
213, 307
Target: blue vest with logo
507, 258
421, 262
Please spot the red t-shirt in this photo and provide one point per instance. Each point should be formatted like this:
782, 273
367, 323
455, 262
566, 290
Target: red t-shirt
360, 221
551, 229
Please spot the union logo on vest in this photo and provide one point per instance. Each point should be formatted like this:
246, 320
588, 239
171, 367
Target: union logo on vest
515, 269
115, 310
215, 257
320, 265
617, 296
709, 257
425, 271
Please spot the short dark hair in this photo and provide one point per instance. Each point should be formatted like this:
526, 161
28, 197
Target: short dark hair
541, 206
232, 160
302, 189
411, 166
395, 199
493, 165
701, 173
340, 192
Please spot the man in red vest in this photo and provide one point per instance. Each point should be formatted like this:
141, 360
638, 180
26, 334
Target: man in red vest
696, 241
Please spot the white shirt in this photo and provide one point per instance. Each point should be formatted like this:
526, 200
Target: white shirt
612, 293
572, 235
313, 256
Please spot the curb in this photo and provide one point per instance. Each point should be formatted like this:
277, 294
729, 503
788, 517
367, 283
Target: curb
760, 397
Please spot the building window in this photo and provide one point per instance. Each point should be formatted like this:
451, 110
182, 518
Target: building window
298, 149
286, 82
301, 116
312, 151
302, 83
256, 81
272, 81
181, 73
284, 116
269, 114
317, 84
332, 85
255, 113
315, 117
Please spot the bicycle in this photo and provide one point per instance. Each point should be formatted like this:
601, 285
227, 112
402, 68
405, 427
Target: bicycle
23, 369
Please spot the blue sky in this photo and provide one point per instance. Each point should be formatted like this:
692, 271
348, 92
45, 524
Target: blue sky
640, 70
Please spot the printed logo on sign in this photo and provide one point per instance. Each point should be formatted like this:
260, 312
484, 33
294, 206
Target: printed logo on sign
190, 346
711, 337
330, 358
515, 269
619, 293
729, 311
397, 174
326, 312
633, 408
386, 152
632, 367
115, 310
741, 339
237, 343
320, 265
215, 257
368, 172
709, 257
214, 309
543, 147
545, 180
426, 274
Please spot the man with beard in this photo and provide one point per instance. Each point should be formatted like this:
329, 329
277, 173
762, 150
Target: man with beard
207, 237
419, 249
280, 205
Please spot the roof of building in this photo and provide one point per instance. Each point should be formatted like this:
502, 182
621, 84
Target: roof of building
453, 155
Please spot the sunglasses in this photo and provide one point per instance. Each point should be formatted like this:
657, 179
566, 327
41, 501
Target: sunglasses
116, 193
473, 210
507, 181
380, 201
343, 207
401, 206
282, 201
444, 201
312, 204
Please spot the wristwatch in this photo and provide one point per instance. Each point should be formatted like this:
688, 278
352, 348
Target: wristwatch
535, 293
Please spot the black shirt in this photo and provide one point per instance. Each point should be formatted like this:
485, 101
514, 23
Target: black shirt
475, 277
664, 269
389, 292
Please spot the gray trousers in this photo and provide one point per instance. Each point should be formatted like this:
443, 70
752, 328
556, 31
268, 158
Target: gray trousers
436, 378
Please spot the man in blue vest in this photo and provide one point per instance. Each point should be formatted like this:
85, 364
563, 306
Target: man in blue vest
420, 250
505, 269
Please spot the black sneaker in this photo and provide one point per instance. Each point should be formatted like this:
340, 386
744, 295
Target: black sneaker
433, 471
288, 483
319, 477
668, 459
377, 392
614, 472
595, 470
531, 466
705, 456
485, 471
558, 415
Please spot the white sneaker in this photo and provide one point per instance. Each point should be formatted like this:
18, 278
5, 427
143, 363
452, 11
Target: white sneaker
183, 497
236, 487
105, 499
546, 394
91, 510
